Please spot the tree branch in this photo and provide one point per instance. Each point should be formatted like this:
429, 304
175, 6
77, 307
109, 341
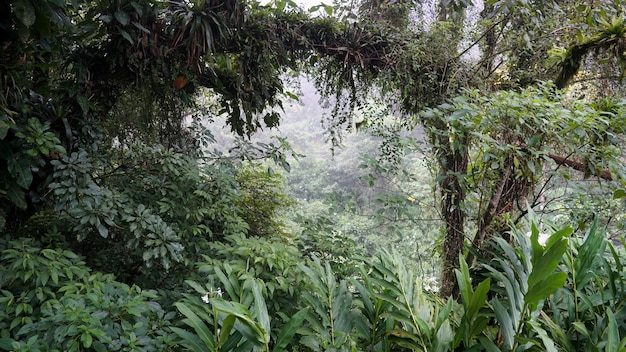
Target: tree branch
604, 174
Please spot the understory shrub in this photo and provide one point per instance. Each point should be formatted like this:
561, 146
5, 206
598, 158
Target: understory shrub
51, 301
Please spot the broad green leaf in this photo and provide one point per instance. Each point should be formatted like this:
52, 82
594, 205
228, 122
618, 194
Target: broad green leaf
19, 169
196, 286
17, 196
587, 254
86, 339
444, 314
479, 298
581, 328
25, 12
464, 282
245, 324
562, 233
83, 102
537, 249
545, 288
478, 325
288, 331
612, 340
122, 17
228, 287
191, 341
260, 310
620, 193
225, 329
126, 36
548, 343
197, 324
489, 345
5, 343
547, 263
506, 325
328, 9
532, 141
4, 129
557, 333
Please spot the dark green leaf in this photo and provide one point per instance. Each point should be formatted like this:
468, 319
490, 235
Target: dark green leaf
612, 340
506, 325
19, 169
288, 331
126, 36
5, 344
226, 328
17, 196
198, 325
191, 341
122, 17
83, 102
260, 310
25, 12
4, 129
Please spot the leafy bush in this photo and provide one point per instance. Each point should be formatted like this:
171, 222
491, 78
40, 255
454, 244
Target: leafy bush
51, 301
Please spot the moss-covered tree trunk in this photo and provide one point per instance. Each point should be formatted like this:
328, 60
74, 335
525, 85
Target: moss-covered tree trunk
452, 208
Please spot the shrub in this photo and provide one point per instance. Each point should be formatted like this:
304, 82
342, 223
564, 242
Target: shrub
51, 301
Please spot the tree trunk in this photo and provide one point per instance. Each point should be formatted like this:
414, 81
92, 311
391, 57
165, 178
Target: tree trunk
453, 164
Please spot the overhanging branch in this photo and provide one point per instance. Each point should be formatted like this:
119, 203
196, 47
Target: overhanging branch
604, 174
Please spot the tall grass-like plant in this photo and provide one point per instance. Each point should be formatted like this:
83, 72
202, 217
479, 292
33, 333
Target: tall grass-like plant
333, 316
225, 325
402, 316
472, 333
527, 273
589, 314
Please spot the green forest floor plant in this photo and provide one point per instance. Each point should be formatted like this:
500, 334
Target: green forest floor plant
564, 295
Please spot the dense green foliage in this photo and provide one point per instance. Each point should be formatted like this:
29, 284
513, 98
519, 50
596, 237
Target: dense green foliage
125, 225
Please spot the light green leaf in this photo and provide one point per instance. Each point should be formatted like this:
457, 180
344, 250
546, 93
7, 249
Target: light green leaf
328, 9
245, 325
86, 339
464, 282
